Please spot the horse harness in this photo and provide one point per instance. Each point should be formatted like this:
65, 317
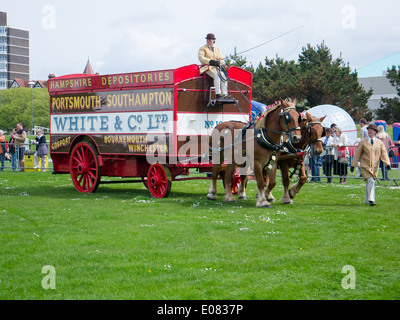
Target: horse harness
298, 153
262, 137
295, 150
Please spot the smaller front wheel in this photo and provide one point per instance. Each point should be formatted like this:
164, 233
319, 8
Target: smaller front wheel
159, 181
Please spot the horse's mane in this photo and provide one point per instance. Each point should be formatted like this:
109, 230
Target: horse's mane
260, 122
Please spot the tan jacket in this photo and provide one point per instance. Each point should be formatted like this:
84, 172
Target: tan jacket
369, 157
20, 139
206, 54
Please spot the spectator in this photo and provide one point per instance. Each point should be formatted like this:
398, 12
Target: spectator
11, 150
19, 139
341, 154
333, 126
363, 130
2, 149
387, 142
327, 155
314, 165
41, 150
370, 151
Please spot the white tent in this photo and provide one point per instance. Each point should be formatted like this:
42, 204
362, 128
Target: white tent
339, 116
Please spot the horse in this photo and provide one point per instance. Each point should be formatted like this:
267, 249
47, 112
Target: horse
311, 131
262, 141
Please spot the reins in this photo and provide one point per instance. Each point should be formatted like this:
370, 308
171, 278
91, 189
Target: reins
260, 134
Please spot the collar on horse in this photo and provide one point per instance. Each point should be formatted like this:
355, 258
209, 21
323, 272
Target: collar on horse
291, 148
264, 141
261, 134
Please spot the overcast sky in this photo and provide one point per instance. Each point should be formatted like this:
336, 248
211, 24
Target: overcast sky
127, 36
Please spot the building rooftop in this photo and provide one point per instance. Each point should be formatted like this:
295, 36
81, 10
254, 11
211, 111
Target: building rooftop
380, 85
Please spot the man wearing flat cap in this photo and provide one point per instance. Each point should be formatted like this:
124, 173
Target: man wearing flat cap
211, 57
370, 151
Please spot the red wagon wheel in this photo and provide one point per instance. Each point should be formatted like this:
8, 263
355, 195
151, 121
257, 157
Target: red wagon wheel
159, 180
235, 181
84, 168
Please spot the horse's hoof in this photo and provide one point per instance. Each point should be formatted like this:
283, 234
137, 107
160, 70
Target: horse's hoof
229, 199
242, 197
287, 201
271, 199
264, 204
211, 196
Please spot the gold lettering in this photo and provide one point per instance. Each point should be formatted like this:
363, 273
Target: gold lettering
131, 100
169, 98
98, 102
144, 99
151, 98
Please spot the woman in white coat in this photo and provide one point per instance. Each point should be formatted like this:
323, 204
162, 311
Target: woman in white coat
340, 165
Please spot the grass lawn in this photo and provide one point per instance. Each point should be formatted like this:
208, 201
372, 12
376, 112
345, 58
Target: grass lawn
120, 243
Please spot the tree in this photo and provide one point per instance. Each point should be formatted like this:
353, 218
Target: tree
330, 81
315, 79
238, 61
389, 110
277, 79
15, 106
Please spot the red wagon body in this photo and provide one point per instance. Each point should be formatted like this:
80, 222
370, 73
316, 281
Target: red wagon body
149, 125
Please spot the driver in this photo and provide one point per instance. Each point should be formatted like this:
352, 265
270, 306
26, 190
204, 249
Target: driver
211, 57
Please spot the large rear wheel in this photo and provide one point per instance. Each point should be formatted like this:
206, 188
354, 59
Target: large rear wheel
84, 167
159, 180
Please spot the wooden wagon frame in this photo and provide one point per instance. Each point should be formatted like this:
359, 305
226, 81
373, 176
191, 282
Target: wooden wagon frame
153, 125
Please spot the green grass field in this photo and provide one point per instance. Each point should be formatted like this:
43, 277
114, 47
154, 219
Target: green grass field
120, 243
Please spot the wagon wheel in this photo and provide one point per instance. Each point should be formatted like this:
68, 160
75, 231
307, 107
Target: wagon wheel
84, 168
235, 181
159, 181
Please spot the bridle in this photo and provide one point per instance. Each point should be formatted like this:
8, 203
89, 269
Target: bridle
287, 118
309, 126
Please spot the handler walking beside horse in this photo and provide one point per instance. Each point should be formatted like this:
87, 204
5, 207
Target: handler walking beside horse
370, 151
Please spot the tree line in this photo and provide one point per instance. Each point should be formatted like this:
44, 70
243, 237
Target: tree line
389, 109
15, 106
317, 78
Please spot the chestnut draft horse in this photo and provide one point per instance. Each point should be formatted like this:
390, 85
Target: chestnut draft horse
256, 142
311, 131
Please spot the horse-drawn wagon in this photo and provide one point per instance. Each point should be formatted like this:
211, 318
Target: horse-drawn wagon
153, 126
